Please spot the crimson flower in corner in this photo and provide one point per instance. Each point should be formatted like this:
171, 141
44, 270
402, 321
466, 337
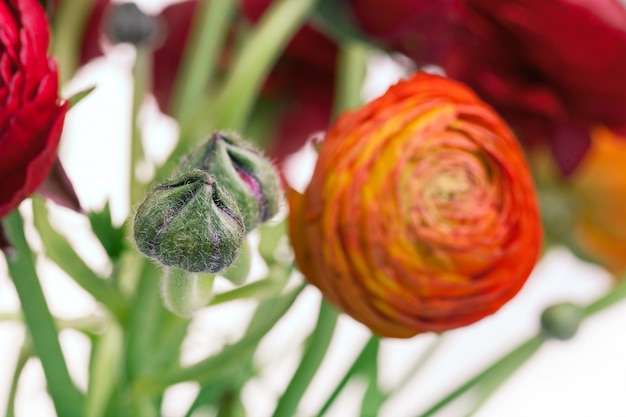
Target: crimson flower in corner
31, 111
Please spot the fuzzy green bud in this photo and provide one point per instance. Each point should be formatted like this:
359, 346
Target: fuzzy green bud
189, 223
243, 171
561, 321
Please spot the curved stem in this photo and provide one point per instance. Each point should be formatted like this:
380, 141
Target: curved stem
352, 66
58, 250
231, 358
496, 374
366, 354
270, 36
68, 401
515, 358
312, 358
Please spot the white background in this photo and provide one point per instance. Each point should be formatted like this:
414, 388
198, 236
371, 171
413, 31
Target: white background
583, 377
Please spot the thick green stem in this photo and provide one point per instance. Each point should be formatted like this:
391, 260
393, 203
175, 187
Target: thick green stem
312, 358
68, 401
352, 66
208, 35
251, 66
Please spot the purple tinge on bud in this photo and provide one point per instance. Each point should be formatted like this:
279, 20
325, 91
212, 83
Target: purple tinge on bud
242, 171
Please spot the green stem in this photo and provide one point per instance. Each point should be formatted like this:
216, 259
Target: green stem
24, 356
612, 297
142, 337
496, 374
68, 26
141, 84
68, 401
272, 33
59, 251
208, 34
311, 359
515, 358
104, 370
366, 354
231, 358
352, 67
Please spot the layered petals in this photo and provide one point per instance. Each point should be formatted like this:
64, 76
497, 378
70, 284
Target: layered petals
421, 214
599, 186
31, 112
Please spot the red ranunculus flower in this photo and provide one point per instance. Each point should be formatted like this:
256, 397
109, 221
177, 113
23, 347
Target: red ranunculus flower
31, 112
421, 214
553, 69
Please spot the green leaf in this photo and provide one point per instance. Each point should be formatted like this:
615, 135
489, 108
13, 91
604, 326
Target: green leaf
112, 238
67, 399
59, 251
271, 236
336, 19
78, 97
313, 356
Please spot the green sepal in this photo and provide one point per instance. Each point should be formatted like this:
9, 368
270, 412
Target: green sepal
189, 223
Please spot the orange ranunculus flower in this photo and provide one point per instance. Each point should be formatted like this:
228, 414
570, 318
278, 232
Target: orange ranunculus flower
421, 214
599, 185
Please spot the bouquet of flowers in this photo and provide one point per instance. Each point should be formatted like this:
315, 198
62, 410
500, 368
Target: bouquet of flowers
260, 219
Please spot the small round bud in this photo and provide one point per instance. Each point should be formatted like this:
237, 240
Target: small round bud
241, 169
561, 321
126, 23
189, 223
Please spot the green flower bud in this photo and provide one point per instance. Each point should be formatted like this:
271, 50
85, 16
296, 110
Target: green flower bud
189, 223
561, 321
243, 171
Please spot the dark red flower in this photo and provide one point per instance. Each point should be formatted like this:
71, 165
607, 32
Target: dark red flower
31, 112
552, 68
421, 29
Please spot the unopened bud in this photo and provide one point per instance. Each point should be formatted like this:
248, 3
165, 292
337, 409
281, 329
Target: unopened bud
243, 171
561, 321
189, 223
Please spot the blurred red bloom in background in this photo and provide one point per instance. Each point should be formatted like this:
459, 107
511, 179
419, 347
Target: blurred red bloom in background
301, 84
553, 69
421, 29
421, 214
31, 112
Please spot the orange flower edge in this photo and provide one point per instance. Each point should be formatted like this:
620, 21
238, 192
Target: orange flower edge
421, 214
